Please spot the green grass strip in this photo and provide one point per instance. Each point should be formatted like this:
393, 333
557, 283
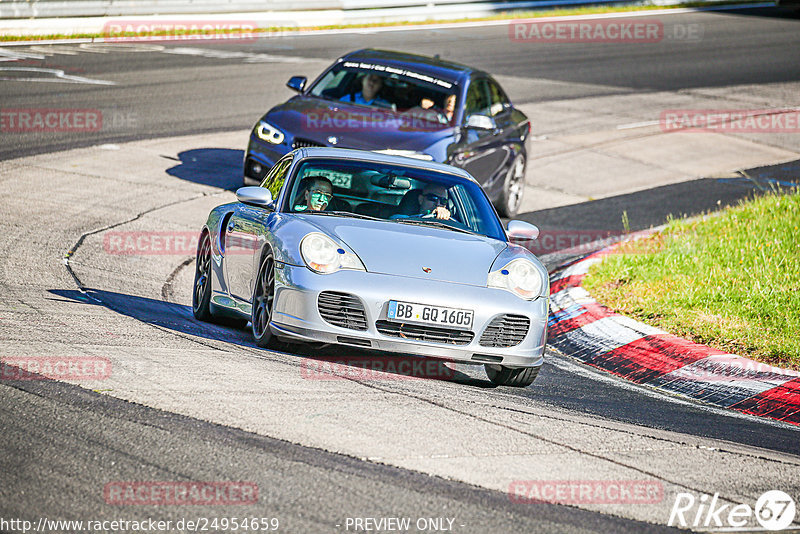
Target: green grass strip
267, 32
730, 280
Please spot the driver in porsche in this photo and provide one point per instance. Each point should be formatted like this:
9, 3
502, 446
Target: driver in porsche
433, 202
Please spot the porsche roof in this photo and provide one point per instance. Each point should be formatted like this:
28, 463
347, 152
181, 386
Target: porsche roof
377, 157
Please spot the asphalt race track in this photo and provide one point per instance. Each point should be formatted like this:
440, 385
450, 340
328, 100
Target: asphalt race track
188, 401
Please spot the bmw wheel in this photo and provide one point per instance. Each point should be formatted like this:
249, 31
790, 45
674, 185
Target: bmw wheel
263, 298
513, 189
510, 376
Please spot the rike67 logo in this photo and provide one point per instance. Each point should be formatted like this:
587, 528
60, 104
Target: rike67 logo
774, 510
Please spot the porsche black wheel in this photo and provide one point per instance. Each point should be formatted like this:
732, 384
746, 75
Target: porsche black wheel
201, 296
263, 298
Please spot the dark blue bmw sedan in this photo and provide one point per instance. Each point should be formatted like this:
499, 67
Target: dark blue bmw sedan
406, 105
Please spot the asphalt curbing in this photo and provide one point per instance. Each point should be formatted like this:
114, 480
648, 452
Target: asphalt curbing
581, 327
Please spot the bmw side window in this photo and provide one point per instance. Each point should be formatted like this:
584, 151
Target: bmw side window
276, 177
477, 100
499, 100
333, 84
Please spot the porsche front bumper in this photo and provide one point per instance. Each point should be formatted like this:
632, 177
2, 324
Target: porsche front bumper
296, 315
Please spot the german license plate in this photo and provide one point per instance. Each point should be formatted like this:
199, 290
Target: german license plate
410, 312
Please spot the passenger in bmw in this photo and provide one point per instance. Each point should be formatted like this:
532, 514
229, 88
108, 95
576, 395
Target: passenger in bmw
316, 195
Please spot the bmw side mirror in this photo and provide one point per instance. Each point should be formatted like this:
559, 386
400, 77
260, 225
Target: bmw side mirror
481, 122
297, 83
255, 196
522, 231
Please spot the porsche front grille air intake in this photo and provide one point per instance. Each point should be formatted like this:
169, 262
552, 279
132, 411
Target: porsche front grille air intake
424, 333
342, 309
505, 331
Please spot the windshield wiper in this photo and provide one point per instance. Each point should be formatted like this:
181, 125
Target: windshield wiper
432, 222
341, 214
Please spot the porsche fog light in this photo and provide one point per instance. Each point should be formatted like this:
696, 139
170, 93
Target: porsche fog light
518, 276
269, 133
322, 255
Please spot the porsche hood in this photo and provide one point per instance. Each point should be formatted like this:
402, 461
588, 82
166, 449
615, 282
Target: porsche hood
394, 248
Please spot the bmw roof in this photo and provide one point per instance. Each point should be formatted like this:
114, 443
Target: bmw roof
377, 157
446, 70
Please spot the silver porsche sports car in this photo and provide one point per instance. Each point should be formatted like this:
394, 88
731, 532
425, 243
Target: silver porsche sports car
376, 251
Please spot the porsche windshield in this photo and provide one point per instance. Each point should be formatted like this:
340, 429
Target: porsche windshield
393, 193
380, 86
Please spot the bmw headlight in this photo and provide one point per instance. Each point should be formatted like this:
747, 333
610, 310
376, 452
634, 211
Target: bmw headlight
269, 133
322, 255
520, 277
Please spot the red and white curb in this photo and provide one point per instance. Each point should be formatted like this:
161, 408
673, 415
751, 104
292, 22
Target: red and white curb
581, 327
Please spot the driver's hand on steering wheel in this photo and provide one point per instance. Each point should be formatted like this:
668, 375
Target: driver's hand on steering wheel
441, 213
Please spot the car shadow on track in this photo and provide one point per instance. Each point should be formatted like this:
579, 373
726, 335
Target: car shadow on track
217, 167
320, 362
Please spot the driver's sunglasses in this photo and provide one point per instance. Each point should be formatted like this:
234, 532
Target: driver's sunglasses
321, 195
439, 201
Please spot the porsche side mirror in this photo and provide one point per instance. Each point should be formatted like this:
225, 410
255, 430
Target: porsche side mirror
297, 83
255, 196
481, 122
522, 231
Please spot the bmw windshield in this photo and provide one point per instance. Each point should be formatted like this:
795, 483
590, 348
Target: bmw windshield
393, 193
385, 87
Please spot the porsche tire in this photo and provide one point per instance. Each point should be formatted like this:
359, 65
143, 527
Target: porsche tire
201, 294
509, 376
263, 299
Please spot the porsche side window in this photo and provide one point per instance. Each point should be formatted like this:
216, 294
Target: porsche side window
276, 177
499, 100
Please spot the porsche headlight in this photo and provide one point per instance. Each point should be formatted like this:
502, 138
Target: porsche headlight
269, 133
520, 277
322, 255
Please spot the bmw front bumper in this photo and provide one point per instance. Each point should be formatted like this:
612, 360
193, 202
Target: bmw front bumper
260, 157
296, 314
